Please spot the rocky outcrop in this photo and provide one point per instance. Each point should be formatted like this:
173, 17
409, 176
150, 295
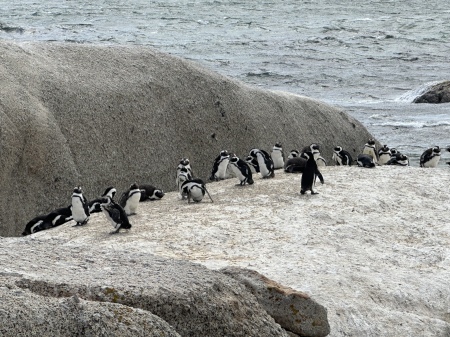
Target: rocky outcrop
434, 93
96, 116
293, 310
113, 292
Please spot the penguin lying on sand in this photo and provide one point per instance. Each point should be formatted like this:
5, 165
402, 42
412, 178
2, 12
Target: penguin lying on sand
365, 160
150, 192
53, 219
399, 160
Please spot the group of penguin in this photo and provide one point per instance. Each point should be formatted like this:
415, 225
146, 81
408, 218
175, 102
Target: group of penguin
81, 209
226, 165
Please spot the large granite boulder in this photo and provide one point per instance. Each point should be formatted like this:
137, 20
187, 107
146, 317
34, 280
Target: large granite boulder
294, 310
97, 116
52, 285
434, 93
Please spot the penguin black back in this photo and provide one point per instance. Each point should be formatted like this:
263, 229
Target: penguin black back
310, 173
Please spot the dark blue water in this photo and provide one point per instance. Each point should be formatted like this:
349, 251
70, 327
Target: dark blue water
363, 56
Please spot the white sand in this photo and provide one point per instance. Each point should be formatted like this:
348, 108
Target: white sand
372, 246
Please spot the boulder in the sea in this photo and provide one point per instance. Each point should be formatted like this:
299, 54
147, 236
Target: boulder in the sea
435, 93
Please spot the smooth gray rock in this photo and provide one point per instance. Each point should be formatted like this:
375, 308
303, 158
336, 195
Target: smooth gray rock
97, 116
192, 299
293, 310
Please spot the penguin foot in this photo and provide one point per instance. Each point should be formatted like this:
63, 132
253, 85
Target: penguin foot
114, 232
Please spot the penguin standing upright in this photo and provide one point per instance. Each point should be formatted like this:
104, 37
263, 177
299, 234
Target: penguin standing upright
115, 214
371, 150
241, 170
183, 176
277, 156
219, 170
80, 208
431, 156
342, 157
195, 189
384, 155
130, 199
310, 172
94, 205
265, 163
253, 164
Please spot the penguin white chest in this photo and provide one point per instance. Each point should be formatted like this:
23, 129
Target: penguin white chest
277, 158
222, 169
262, 165
433, 162
78, 212
237, 172
132, 203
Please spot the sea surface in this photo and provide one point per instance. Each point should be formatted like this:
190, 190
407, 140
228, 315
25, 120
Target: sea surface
368, 57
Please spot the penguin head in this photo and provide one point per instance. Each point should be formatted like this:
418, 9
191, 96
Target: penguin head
394, 151
384, 149
308, 155
234, 158
224, 153
337, 149
277, 145
158, 194
436, 150
77, 190
294, 153
371, 141
184, 161
314, 147
134, 186
110, 191
105, 201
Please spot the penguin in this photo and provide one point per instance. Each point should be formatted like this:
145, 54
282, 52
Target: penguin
59, 216
80, 208
365, 160
384, 155
431, 156
195, 189
265, 163
253, 164
241, 170
183, 176
310, 172
294, 154
149, 192
394, 151
277, 156
130, 199
315, 149
342, 157
219, 170
371, 150
115, 214
186, 167
295, 164
94, 205
399, 159
36, 224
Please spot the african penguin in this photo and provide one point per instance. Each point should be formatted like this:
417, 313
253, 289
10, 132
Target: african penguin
80, 208
183, 176
277, 156
241, 170
315, 149
399, 160
431, 156
384, 155
252, 163
342, 157
219, 170
60, 216
310, 172
130, 199
393, 151
186, 164
365, 160
371, 150
94, 205
195, 189
294, 154
36, 224
115, 214
295, 164
265, 163
149, 192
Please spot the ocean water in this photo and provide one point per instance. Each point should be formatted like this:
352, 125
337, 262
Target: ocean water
367, 57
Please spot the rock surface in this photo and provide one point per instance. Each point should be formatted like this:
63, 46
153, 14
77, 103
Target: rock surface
434, 93
293, 310
121, 290
97, 116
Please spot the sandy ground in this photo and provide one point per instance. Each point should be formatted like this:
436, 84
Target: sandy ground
372, 246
